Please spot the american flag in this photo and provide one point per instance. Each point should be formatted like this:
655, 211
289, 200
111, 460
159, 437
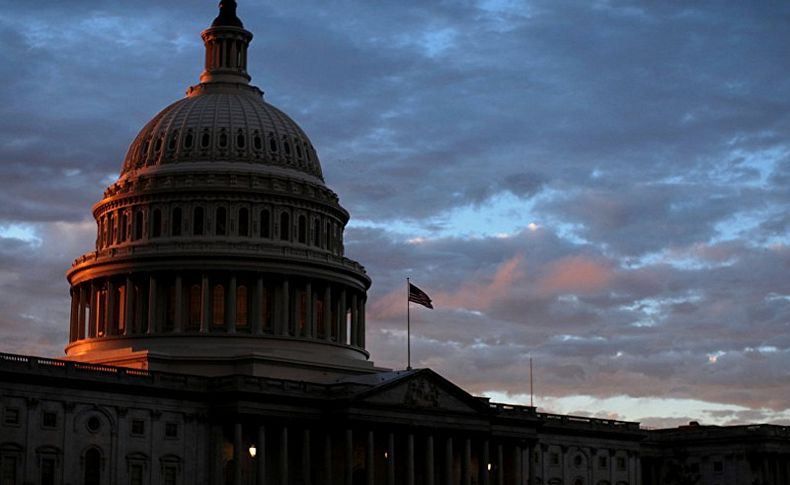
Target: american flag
418, 296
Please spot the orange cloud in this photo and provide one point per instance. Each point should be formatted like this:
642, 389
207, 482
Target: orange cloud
573, 275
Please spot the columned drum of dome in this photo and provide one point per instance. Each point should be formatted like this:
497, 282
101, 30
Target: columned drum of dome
219, 248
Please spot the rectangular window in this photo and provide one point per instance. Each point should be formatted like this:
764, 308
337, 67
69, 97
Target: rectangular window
554, 458
138, 427
620, 463
603, 462
718, 467
49, 419
11, 416
8, 470
136, 474
171, 430
169, 475
47, 471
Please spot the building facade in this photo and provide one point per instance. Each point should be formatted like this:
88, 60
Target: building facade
217, 336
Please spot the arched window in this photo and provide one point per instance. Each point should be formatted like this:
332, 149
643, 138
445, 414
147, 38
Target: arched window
302, 229
257, 142
138, 225
327, 236
223, 139
287, 147
205, 140
189, 140
197, 221
266, 224
285, 226
221, 221
244, 222
240, 140
218, 306
156, 223
317, 233
173, 143
92, 467
272, 143
111, 233
241, 307
124, 224
195, 306
175, 222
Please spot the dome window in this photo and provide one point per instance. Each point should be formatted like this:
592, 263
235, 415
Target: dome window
307, 153
156, 223
223, 139
205, 140
285, 223
144, 151
317, 233
298, 150
244, 222
302, 229
287, 147
221, 223
138, 225
272, 143
189, 140
197, 221
158, 145
175, 222
240, 140
124, 223
257, 142
171, 145
266, 224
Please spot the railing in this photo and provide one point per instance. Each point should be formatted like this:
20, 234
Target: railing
588, 422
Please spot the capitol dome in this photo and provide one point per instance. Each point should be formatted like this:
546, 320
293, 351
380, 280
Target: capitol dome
219, 249
223, 125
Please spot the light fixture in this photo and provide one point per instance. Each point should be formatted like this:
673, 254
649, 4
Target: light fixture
489, 467
386, 455
253, 451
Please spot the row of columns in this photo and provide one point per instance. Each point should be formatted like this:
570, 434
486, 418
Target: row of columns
439, 465
128, 306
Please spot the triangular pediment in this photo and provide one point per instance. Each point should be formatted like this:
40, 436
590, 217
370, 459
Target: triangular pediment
424, 390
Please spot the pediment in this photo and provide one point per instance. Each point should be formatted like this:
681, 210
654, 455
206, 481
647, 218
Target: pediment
423, 390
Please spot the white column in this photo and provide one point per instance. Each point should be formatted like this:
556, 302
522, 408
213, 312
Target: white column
306, 461
342, 333
237, 447
448, 461
230, 306
81, 313
260, 456
327, 478
328, 313
429, 471
370, 461
410, 459
110, 324
178, 325
391, 459
257, 307
349, 458
284, 456
466, 462
205, 304
354, 320
128, 319
152, 305
309, 311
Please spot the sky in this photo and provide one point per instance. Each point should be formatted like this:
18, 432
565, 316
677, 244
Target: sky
601, 186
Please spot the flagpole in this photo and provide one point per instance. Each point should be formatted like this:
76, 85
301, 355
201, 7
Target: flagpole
531, 391
408, 326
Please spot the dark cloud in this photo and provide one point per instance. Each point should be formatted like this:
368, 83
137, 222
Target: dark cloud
648, 142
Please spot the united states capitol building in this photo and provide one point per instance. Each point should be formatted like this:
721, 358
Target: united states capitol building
217, 336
